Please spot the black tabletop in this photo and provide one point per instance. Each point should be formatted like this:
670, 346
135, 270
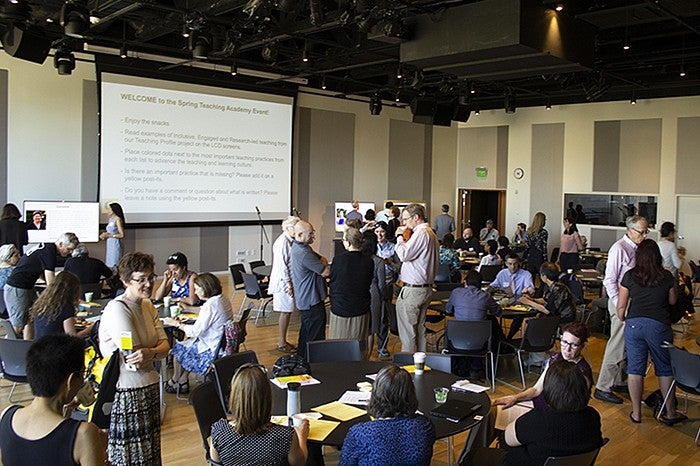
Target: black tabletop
337, 377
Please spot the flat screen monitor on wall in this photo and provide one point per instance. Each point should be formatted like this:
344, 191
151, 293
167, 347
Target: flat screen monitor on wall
342, 209
184, 153
47, 220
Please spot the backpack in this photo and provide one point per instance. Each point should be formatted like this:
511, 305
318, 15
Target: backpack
234, 336
290, 364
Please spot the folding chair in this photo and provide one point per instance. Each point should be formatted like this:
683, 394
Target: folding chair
237, 279
253, 265
254, 292
333, 351
471, 339
489, 272
206, 413
224, 368
539, 336
686, 376
13, 359
582, 459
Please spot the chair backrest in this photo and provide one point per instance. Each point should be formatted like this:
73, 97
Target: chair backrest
443, 274
13, 357
582, 459
695, 271
540, 334
236, 271
686, 369
555, 255
333, 350
252, 287
489, 272
439, 362
205, 411
94, 288
575, 287
465, 335
9, 329
255, 264
224, 368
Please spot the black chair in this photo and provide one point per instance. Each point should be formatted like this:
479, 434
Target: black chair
9, 329
686, 376
437, 361
555, 256
224, 368
206, 412
695, 271
539, 336
443, 274
255, 264
333, 351
237, 279
254, 292
471, 339
489, 272
582, 459
13, 358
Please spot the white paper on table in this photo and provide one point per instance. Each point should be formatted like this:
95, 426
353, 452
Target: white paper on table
506, 416
466, 386
353, 397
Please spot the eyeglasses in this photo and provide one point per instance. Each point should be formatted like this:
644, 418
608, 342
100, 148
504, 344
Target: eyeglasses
250, 365
143, 280
642, 232
570, 345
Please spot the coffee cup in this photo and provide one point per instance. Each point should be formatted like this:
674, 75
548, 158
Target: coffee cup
166, 302
441, 394
174, 311
298, 419
88, 297
419, 362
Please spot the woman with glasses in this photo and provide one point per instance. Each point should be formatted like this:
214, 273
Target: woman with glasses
178, 281
197, 352
573, 340
131, 325
42, 432
397, 435
649, 290
249, 438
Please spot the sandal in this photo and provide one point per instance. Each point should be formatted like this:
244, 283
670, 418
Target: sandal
635, 420
675, 420
287, 348
177, 388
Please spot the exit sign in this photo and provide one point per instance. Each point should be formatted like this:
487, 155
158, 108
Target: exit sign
482, 172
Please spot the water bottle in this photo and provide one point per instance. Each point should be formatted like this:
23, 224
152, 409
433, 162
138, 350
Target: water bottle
293, 400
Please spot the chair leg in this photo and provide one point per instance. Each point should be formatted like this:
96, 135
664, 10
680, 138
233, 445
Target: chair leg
493, 372
663, 405
520, 366
12, 390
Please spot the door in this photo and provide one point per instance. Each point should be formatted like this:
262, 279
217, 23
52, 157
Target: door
688, 219
476, 206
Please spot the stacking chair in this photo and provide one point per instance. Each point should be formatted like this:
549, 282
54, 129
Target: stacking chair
254, 292
333, 351
471, 339
9, 329
224, 368
443, 274
237, 279
539, 336
489, 272
254, 264
686, 376
206, 412
582, 459
13, 359
437, 361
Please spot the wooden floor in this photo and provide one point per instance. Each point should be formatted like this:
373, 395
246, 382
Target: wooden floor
649, 443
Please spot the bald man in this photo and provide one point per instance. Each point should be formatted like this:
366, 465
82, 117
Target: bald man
309, 270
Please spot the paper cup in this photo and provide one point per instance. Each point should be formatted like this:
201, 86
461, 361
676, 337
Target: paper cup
419, 362
174, 311
166, 302
88, 297
298, 419
441, 394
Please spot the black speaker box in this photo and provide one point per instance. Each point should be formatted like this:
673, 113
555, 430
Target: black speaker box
27, 44
444, 111
462, 112
423, 109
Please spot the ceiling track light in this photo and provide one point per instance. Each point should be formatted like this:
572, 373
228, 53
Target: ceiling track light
548, 106
626, 45
234, 68
375, 104
75, 18
323, 83
399, 73
476, 111
64, 61
305, 56
397, 98
509, 103
633, 100
123, 52
185, 30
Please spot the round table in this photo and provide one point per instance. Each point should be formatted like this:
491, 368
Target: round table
337, 377
264, 270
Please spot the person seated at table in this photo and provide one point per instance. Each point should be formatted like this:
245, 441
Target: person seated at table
520, 235
42, 432
397, 435
573, 341
488, 232
569, 427
557, 299
88, 269
448, 256
178, 281
249, 437
513, 280
503, 248
468, 242
54, 310
350, 281
197, 352
490, 258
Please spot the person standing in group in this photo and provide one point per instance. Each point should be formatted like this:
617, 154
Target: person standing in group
649, 291
308, 270
669, 252
570, 245
444, 223
351, 277
113, 235
536, 245
355, 212
417, 248
280, 286
621, 258
386, 250
131, 325
19, 291
12, 229
393, 223
383, 215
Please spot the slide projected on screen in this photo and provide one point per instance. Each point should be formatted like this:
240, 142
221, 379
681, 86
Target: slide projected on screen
47, 220
173, 152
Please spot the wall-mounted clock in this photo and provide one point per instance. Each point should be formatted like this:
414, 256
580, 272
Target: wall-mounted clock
518, 173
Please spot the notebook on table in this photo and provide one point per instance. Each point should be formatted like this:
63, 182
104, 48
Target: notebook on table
455, 410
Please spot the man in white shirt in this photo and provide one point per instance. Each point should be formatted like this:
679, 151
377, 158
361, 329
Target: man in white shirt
667, 245
383, 215
281, 282
419, 257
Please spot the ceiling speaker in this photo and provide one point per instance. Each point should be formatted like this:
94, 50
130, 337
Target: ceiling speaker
423, 109
27, 44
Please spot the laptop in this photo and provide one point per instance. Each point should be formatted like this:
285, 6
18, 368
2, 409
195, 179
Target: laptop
455, 410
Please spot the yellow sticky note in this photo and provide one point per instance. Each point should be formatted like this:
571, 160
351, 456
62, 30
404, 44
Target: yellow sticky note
125, 341
320, 429
411, 368
340, 411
